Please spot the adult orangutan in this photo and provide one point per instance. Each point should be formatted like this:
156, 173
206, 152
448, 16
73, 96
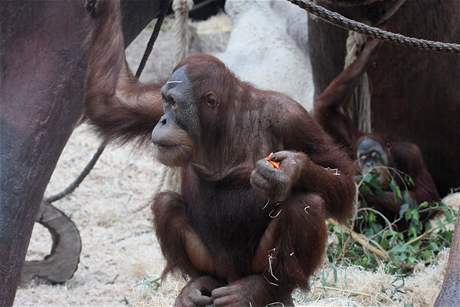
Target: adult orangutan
246, 228
372, 152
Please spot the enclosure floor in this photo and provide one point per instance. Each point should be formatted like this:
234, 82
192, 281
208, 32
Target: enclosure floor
120, 252
121, 258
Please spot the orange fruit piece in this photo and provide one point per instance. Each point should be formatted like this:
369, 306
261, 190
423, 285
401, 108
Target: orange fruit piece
273, 163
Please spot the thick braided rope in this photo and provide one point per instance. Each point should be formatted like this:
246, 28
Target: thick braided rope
170, 178
349, 24
348, 3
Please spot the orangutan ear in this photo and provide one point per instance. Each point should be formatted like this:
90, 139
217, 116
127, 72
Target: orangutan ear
388, 145
211, 100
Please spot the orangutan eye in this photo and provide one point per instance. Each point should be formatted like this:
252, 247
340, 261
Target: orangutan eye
374, 154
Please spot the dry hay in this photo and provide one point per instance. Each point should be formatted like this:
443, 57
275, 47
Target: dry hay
121, 260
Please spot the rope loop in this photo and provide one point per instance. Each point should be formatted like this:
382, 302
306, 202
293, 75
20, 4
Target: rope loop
352, 25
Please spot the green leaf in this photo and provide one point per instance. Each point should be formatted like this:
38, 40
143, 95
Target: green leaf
403, 210
424, 205
396, 190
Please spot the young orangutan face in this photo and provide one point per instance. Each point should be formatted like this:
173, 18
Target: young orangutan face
373, 156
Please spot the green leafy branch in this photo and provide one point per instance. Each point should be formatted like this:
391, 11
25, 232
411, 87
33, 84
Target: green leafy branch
374, 239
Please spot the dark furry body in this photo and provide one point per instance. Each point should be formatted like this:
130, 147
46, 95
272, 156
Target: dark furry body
226, 216
225, 211
217, 230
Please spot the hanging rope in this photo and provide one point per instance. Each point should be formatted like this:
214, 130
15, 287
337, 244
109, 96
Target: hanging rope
87, 169
360, 107
74, 185
153, 38
181, 10
352, 25
170, 178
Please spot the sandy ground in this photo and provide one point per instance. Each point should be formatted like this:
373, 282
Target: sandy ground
121, 261
119, 248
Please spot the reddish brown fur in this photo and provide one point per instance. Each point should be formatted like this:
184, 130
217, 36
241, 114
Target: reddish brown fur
407, 158
116, 103
218, 211
221, 206
170, 219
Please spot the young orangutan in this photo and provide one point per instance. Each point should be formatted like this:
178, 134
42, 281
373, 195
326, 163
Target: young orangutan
246, 228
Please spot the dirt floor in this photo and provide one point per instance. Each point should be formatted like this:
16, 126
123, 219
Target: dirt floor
120, 253
121, 261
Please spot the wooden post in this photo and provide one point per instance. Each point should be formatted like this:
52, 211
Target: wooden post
450, 292
62, 262
402, 107
43, 60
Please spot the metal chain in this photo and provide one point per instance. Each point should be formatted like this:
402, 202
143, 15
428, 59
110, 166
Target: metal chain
349, 24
